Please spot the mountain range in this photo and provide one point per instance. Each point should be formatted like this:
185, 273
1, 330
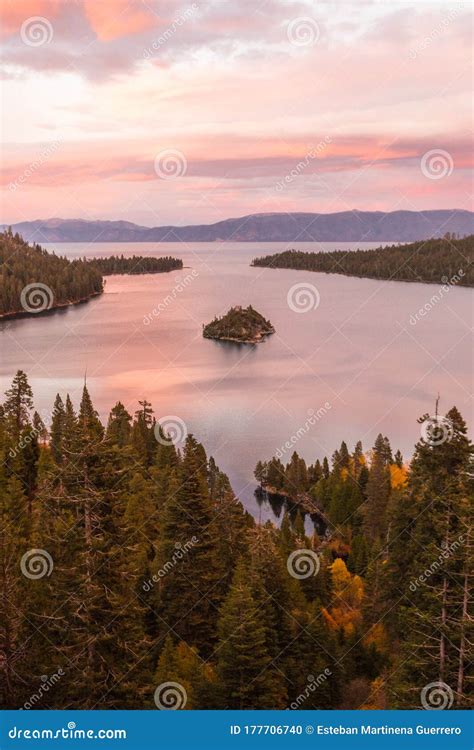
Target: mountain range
345, 226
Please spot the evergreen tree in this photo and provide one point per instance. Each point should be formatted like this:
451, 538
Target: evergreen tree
244, 665
437, 563
187, 523
118, 427
378, 491
19, 403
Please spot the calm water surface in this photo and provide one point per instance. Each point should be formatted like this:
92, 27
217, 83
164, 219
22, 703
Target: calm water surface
356, 356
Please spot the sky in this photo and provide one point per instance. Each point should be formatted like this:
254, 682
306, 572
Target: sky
161, 112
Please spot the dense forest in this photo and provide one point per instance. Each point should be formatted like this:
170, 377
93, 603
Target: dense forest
131, 576
244, 325
33, 280
438, 261
118, 264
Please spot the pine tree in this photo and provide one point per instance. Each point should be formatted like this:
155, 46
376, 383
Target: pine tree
13, 605
19, 402
188, 595
244, 666
436, 562
118, 427
378, 491
194, 679
57, 429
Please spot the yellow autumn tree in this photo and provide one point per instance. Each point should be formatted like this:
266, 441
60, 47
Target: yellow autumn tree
348, 591
398, 476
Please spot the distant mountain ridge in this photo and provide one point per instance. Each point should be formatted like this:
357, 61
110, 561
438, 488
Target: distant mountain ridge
345, 226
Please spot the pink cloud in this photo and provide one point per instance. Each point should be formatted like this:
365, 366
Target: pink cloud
14, 12
382, 85
112, 19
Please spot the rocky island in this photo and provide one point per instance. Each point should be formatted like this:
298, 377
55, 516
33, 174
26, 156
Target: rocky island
244, 325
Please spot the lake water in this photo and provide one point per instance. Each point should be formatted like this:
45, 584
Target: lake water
347, 369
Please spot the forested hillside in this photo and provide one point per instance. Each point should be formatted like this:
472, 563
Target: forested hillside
118, 264
129, 570
33, 280
437, 261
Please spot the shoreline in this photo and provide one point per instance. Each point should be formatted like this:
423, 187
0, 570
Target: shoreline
17, 314
303, 501
258, 340
356, 276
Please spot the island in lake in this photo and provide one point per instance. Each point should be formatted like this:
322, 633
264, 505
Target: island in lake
244, 325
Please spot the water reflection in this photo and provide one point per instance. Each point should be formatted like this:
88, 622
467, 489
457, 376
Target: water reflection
356, 352
281, 504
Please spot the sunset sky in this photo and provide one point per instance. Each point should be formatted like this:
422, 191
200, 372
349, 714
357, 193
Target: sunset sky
162, 112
